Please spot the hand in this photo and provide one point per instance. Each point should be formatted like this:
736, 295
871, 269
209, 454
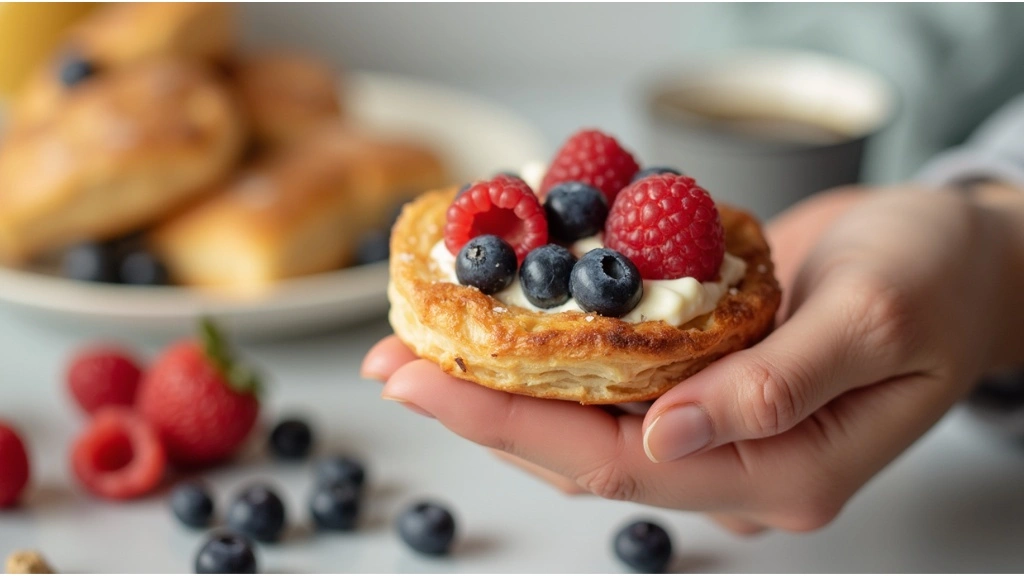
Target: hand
889, 318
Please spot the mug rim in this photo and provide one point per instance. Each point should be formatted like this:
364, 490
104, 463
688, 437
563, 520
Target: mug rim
674, 76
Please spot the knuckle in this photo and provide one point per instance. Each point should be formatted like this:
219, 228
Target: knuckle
773, 403
609, 481
881, 316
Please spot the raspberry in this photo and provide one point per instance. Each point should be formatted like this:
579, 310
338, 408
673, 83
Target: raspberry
14, 469
593, 158
503, 206
103, 376
118, 456
669, 227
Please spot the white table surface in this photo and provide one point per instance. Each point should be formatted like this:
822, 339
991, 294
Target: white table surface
953, 503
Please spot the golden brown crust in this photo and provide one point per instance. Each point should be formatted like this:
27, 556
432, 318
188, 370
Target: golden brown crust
285, 94
569, 355
300, 211
120, 35
119, 153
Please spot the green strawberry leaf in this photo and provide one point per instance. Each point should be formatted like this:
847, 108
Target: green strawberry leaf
239, 376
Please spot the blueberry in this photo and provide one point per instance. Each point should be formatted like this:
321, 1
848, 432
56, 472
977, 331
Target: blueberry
90, 262
257, 512
487, 262
335, 506
428, 528
545, 274
465, 188
226, 553
142, 268
575, 210
74, 69
652, 171
374, 246
644, 546
606, 282
291, 439
340, 469
192, 504
508, 173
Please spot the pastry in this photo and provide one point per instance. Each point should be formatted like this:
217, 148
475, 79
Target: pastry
119, 153
300, 211
573, 347
285, 94
119, 35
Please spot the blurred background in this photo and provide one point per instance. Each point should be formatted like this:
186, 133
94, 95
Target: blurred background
161, 162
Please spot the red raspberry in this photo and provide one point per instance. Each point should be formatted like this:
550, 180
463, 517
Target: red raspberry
103, 376
669, 227
14, 470
593, 158
119, 455
200, 401
503, 206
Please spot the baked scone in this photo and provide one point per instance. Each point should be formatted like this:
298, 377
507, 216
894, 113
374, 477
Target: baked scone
118, 154
578, 356
124, 34
300, 211
285, 94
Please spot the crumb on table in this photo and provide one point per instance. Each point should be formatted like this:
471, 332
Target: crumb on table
27, 562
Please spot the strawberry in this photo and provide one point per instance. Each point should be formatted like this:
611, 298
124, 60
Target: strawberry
14, 466
201, 401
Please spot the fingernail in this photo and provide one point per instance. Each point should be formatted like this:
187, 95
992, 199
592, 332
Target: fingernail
410, 406
369, 375
678, 432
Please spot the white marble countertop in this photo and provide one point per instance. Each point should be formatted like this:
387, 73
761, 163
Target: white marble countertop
952, 503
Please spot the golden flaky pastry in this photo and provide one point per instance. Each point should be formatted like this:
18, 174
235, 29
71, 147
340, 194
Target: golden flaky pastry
116, 36
285, 94
121, 152
564, 355
299, 211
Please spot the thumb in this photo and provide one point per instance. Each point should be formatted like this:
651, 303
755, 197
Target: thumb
815, 356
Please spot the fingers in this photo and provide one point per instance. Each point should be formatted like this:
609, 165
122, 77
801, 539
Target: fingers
737, 525
819, 353
602, 453
563, 484
384, 358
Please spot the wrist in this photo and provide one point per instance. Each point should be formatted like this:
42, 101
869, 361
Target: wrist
1000, 209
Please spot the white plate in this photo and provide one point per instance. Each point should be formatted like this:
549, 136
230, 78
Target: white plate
475, 137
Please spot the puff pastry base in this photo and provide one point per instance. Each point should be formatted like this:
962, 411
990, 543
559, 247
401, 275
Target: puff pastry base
564, 356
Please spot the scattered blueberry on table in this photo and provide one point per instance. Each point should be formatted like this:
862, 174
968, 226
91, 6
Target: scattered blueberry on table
427, 528
258, 512
644, 546
340, 469
335, 506
226, 553
291, 439
192, 504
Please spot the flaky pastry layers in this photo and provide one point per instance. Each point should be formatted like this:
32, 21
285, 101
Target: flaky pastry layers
122, 151
568, 355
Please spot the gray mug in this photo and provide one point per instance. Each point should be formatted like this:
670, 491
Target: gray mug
764, 130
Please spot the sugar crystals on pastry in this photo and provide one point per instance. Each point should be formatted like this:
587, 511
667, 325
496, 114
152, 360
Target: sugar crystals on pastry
601, 291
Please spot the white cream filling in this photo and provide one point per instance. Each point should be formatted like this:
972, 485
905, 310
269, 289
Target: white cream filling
675, 301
